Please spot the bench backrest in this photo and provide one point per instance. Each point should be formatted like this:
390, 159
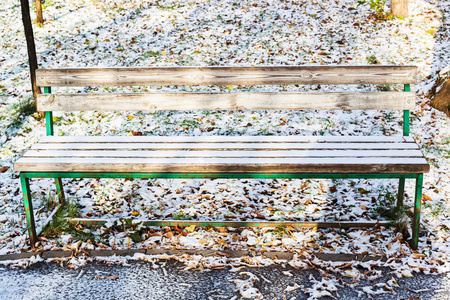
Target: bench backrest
276, 75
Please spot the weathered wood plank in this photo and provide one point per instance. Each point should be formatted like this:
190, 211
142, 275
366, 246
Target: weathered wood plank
219, 146
224, 165
228, 75
227, 139
237, 153
225, 101
399, 8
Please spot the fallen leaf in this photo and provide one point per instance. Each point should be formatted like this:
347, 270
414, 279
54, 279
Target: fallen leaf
190, 229
426, 198
362, 191
221, 242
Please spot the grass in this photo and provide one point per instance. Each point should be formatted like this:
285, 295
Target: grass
386, 207
19, 112
181, 216
61, 221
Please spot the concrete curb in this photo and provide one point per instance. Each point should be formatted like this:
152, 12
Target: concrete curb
233, 254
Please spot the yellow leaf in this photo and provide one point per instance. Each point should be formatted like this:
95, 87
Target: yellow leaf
229, 87
431, 31
221, 242
163, 52
130, 117
190, 228
135, 213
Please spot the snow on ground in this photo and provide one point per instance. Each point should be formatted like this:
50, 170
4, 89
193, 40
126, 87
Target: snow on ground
117, 33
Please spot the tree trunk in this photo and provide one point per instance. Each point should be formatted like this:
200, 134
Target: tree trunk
32, 58
441, 100
39, 17
399, 8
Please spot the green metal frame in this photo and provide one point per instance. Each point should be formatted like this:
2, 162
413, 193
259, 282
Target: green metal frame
260, 224
217, 175
25, 176
58, 175
401, 183
50, 131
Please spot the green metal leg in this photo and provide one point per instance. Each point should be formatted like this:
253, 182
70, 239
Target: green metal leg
60, 190
401, 192
28, 209
416, 217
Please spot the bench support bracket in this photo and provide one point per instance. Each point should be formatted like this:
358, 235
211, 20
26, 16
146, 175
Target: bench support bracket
60, 190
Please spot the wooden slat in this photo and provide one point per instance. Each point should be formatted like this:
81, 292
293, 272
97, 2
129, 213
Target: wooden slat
228, 75
226, 101
218, 146
238, 153
227, 165
227, 139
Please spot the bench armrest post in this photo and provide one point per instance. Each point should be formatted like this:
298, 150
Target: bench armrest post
48, 114
406, 88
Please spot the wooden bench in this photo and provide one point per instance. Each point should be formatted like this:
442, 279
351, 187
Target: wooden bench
225, 156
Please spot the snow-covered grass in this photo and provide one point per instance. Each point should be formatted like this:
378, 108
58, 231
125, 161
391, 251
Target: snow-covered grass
82, 33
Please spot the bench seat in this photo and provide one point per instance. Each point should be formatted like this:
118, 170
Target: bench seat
225, 154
